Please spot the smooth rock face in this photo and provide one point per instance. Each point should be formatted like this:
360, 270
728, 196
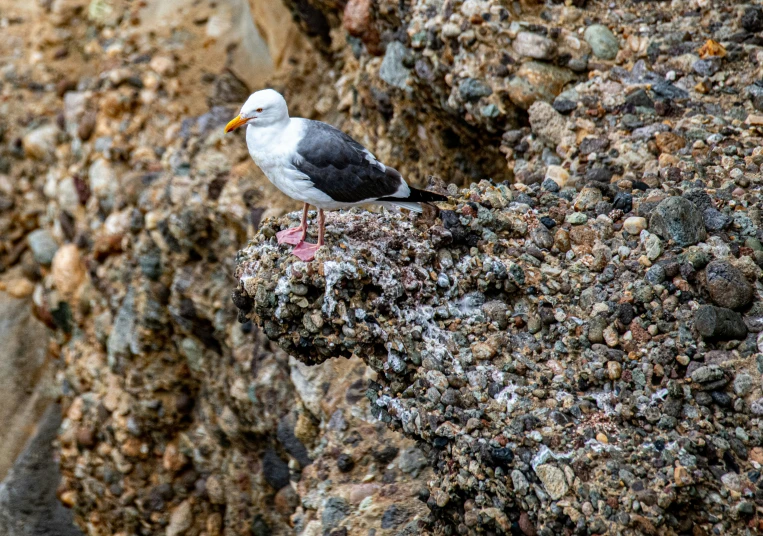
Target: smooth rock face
392, 69
727, 285
603, 42
41, 143
716, 322
43, 246
677, 219
28, 502
537, 81
532, 45
25, 382
553, 480
634, 225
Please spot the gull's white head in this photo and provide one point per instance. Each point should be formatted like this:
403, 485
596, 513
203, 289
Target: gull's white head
263, 108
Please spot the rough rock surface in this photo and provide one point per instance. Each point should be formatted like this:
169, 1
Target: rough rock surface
121, 239
179, 419
552, 379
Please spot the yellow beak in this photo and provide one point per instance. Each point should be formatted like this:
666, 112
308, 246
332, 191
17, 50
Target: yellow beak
235, 123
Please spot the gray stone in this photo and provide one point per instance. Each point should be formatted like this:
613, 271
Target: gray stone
75, 105
335, 509
707, 374
550, 186
752, 19
714, 219
393, 517
727, 285
596, 329
26, 384
757, 407
43, 246
653, 247
700, 198
755, 92
193, 353
603, 42
576, 218
392, 70
472, 89
655, 274
275, 471
719, 323
411, 461
706, 67
640, 98
104, 183
28, 502
677, 219
520, 482
742, 384
491, 110
546, 122
531, 45
121, 343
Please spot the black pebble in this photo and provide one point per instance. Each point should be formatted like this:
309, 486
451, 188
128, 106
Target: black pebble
548, 222
345, 463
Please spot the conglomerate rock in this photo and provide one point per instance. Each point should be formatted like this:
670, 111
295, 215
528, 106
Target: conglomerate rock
122, 206
553, 372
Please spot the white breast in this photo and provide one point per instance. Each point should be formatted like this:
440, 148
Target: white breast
273, 149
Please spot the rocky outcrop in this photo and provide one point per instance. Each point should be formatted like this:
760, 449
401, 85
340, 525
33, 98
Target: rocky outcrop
26, 371
28, 502
122, 208
556, 377
442, 83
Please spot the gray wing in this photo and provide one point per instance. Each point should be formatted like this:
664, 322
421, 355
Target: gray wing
341, 167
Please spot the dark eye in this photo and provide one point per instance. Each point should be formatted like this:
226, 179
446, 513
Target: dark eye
259, 109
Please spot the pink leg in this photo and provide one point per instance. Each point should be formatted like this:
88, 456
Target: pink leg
294, 235
305, 251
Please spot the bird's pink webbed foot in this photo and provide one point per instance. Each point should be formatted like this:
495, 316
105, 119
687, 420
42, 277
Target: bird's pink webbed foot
292, 236
305, 251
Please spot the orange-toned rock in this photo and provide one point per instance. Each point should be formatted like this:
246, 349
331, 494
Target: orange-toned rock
712, 49
68, 269
669, 142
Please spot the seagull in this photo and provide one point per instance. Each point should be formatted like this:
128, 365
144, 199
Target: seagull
319, 165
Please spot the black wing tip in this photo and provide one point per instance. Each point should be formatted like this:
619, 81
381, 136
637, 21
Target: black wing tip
425, 196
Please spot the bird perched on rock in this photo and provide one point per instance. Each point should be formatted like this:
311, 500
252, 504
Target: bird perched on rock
319, 165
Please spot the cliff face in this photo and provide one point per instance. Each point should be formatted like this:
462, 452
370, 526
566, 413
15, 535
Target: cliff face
122, 208
564, 354
439, 81
579, 351
557, 376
